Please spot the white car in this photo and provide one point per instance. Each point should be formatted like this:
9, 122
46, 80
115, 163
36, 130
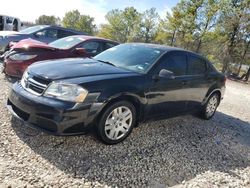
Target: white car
8, 23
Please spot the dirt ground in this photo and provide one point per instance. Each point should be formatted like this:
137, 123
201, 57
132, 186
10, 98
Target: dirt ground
181, 152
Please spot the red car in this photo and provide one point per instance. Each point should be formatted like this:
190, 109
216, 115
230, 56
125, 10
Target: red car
28, 51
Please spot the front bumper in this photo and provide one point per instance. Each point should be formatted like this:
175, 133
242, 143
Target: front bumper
50, 115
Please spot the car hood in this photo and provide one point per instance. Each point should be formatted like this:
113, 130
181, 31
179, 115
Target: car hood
31, 43
72, 68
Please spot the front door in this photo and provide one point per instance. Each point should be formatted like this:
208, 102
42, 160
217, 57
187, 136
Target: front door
167, 96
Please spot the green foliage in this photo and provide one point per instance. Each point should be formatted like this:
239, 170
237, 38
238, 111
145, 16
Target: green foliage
74, 20
47, 20
217, 29
129, 25
122, 25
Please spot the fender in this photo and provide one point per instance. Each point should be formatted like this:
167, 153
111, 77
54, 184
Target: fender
103, 101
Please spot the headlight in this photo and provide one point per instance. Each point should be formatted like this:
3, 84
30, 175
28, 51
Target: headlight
66, 92
24, 78
21, 57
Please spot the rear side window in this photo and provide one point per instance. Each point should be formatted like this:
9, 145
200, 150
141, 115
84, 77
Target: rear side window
108, 45
196, 65
175, 62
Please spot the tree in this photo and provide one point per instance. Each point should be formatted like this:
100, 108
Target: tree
206, 20
148, 26
179, 27
122, 25
48, 20
169, 26
74, 20
230, 24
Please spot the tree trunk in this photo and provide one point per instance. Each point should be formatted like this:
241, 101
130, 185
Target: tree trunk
198, 46
172, 39
243, 57
248, 74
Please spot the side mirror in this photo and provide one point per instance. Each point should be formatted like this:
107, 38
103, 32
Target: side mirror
80, 51
166, 74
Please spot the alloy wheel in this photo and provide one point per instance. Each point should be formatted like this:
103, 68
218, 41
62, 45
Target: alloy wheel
211, 106
118, 123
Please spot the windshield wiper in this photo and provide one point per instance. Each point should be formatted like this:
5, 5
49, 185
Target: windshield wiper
106, 62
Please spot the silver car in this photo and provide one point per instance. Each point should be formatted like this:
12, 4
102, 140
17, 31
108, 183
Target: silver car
43, 33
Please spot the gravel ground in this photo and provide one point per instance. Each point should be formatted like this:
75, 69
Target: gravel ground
181, 152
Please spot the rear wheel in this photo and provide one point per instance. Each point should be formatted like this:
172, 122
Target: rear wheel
210, 107
116, 122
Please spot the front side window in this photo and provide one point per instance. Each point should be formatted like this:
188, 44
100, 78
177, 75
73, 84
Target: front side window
91, 47
134, 57
175, 62
49, 33
196, 65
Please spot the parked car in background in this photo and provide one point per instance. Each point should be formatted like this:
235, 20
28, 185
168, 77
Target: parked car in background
29, 51
42, 33
9, 23
115, 90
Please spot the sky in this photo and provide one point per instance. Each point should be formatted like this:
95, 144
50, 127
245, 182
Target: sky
30, 10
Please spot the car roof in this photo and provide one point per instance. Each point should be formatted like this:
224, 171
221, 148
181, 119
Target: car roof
63, 28
88, 37
158, 46
166, 48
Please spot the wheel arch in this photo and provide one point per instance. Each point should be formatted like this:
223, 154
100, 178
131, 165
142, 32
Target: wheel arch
212, 91
133, 99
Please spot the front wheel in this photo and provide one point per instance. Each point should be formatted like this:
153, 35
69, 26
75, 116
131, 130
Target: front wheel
116, 122
210, 107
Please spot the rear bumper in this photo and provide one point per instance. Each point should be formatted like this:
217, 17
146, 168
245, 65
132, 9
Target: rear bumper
50, 115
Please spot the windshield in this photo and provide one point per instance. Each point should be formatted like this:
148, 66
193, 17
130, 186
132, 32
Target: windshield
134, 57
66, 43
33, 29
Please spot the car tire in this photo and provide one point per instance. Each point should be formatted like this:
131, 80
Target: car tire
116, 122
209, 109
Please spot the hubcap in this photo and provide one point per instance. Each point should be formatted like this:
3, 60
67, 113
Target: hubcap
211, 106
118, 123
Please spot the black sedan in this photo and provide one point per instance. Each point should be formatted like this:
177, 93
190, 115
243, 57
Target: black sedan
115, 90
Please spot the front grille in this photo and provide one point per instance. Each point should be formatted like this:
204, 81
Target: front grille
31, 84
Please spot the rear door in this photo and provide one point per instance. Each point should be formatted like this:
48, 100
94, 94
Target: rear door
198, 82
